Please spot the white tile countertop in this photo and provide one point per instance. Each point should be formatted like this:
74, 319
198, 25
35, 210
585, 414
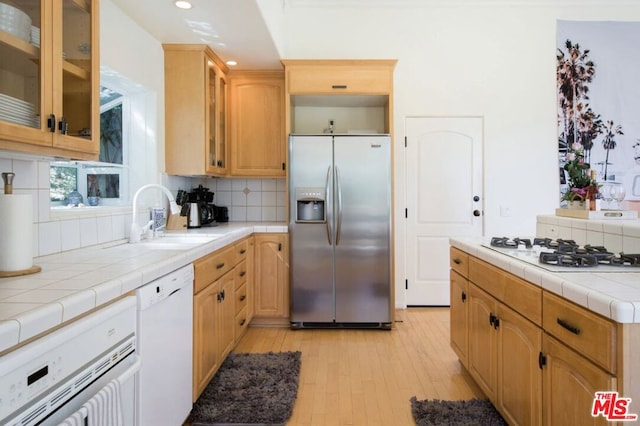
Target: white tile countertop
615, 295
74, 282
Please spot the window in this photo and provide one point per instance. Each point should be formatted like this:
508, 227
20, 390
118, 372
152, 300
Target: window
106, 178
128, 146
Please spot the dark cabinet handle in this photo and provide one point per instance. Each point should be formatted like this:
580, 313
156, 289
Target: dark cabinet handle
63, 126
242, 298
496, 323
219, 297
279, 246
51, 123
243, 251
492, 319
566, 325
457, 261
220, 265
339, 86
242, 321
242, 273
463, 296
542, 360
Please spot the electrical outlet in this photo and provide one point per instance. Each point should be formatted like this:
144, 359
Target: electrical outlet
506, 210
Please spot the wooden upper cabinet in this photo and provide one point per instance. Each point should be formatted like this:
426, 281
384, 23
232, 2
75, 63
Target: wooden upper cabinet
195, 111
50, 80
365, 77
257, 123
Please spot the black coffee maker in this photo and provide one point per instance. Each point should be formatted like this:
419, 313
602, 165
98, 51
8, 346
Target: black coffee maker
209, 212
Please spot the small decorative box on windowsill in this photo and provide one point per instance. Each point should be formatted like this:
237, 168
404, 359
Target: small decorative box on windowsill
598, 215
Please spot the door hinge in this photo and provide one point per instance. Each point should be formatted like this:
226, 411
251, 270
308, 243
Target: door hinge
542, 360
406, 284
406, 213
405, 141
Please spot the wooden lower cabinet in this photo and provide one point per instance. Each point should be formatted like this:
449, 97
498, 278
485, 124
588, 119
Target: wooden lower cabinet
519, 383
271, 290
503, 358
483, 337
570, 382
206, 353
458, 316
214, 308
538, 357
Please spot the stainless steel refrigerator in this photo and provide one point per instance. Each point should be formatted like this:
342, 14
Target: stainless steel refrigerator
340, 231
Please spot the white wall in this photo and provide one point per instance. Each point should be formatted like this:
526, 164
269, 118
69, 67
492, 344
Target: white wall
462, 58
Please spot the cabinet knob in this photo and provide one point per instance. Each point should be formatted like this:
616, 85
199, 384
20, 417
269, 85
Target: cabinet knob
242, 298
457, 261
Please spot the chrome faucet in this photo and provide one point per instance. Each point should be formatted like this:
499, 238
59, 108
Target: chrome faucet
136, 230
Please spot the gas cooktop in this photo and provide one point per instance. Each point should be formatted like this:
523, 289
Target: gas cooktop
564, 255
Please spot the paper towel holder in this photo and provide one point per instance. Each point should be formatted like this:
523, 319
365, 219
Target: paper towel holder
7, 177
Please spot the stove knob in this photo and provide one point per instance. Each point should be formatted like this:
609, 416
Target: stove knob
476, 213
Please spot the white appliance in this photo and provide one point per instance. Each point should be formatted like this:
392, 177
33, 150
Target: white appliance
165, 345
77, 370
340, 231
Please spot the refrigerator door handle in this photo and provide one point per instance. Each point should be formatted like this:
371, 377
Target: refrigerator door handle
339, 202
326, 221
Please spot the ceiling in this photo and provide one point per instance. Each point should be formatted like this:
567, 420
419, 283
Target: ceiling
235, 29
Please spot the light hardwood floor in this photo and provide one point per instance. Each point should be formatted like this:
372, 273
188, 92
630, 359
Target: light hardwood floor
366, 377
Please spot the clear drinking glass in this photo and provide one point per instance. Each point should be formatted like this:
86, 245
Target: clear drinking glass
619, 196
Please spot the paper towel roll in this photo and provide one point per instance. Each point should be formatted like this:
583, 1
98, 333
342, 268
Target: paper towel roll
16, 232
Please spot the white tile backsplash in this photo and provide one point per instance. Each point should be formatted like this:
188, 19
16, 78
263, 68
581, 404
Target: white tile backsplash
616, 235
246, 199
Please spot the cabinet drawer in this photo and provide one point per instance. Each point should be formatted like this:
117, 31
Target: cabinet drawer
241, 273
487, 277
340, 79
459, 261
242, 322
585, 332
524, 298
241, 298
211, 267
240, 250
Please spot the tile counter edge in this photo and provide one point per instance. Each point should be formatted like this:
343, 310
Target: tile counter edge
34, 319
565, 285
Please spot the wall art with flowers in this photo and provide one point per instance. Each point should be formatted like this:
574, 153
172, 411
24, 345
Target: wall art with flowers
598, 108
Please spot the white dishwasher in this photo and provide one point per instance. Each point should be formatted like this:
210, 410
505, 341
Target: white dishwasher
165, 346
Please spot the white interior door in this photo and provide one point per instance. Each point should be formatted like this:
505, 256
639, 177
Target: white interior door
444, 199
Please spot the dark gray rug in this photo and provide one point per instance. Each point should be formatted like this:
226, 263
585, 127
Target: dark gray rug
473, 412
250, 389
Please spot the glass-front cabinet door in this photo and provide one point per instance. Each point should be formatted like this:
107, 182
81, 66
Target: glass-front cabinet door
210, 125
216, 90
49, 77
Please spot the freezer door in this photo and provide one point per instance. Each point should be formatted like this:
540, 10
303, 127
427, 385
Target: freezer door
363, 229
311, 250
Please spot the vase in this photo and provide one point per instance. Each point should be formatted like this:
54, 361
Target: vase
93, 201
576, 205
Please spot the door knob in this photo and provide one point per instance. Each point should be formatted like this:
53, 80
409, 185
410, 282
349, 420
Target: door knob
476, 213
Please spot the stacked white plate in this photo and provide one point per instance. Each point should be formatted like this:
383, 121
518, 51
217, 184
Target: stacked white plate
14, 21
17, 111
35, 36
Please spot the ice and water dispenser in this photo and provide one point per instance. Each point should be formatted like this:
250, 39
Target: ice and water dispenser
310, 204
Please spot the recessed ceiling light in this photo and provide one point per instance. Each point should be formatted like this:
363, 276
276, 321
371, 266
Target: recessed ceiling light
231, 63
182, 4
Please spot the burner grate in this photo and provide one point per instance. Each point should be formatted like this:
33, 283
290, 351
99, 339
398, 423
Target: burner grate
568, 259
